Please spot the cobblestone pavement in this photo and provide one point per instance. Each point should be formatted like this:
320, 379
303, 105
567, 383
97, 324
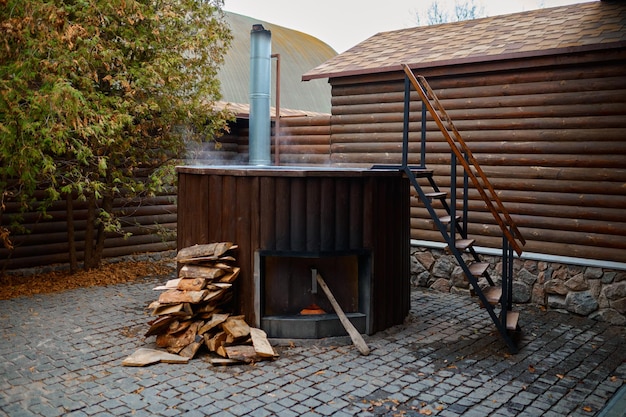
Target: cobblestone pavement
61, 354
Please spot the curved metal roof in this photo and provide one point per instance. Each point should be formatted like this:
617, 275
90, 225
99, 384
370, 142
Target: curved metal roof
299, 53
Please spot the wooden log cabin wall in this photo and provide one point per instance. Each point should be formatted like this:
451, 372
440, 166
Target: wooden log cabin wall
549, 133
42, 240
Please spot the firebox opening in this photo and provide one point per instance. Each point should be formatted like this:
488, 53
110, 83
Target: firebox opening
289, 293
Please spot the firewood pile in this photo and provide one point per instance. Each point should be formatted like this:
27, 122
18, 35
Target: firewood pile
192, 312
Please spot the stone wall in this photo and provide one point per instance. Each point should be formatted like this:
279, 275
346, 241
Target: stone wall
595, 292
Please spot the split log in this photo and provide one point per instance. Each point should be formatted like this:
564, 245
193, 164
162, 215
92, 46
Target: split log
161, 310
171, 284
176, 296
143, 357
236, 327
159, 325
231, 275
176, 342
216, 320
197, 271
191, 284
200, 251
213, 343
243, 353
191, 349
262, 346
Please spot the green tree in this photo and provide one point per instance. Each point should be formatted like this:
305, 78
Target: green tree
97, 98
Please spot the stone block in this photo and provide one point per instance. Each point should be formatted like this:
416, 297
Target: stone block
441, 284
416, 267
556, 301
521, 292
527, 277
555, 286
615, 291
538, 295
581, 302
560, 273
577, 283
458, 278
443, 268
593, 273
609, 277
619, 305
426, 259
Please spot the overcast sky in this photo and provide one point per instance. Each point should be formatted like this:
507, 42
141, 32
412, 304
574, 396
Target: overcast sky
345, 23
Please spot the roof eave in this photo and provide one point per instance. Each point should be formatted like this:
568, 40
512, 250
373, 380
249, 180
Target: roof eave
468, 60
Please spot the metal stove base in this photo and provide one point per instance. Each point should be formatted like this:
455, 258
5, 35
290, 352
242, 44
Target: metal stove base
310, 326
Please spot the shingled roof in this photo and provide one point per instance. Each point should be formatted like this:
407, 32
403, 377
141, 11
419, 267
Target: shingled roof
574, 28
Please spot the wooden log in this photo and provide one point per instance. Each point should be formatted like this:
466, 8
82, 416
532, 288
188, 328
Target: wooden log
198, 271
243, 353
191, 349
159, 325
214, 342
262, 346
205, 250
176, 342
231, 275
214, 322
191, 284
144, 356
176, 296
356, 337
236, 327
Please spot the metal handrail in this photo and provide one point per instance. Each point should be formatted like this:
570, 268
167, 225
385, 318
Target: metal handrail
509, 234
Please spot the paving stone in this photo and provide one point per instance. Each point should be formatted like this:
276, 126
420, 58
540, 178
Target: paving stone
422, 361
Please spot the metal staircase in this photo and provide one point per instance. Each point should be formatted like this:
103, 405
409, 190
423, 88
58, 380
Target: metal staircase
453, 225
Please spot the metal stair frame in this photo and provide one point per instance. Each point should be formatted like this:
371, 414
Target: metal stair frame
510, 231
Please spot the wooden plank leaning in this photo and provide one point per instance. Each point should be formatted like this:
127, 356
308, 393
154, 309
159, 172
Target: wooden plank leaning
352, 331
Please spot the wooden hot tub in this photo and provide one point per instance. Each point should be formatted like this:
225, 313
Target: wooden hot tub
351, 224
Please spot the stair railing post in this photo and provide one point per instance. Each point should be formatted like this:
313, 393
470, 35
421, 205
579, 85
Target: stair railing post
504, 301
423, 137
465, 198
405, 126
452, 198
510, 275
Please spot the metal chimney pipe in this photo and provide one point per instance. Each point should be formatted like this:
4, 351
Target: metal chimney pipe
260, 84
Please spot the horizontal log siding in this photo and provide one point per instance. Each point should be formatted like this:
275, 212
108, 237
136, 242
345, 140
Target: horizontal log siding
552, 140
43, 240
303, 140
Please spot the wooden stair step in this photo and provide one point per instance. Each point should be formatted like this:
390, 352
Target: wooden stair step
448, 219
438, 194
493, 294
463, 244
512, 317
478, 268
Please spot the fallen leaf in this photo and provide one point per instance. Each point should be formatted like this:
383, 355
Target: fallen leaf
320, 372
425, 411
531, 369
613, 378
439, 407
560, 376
588, 409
